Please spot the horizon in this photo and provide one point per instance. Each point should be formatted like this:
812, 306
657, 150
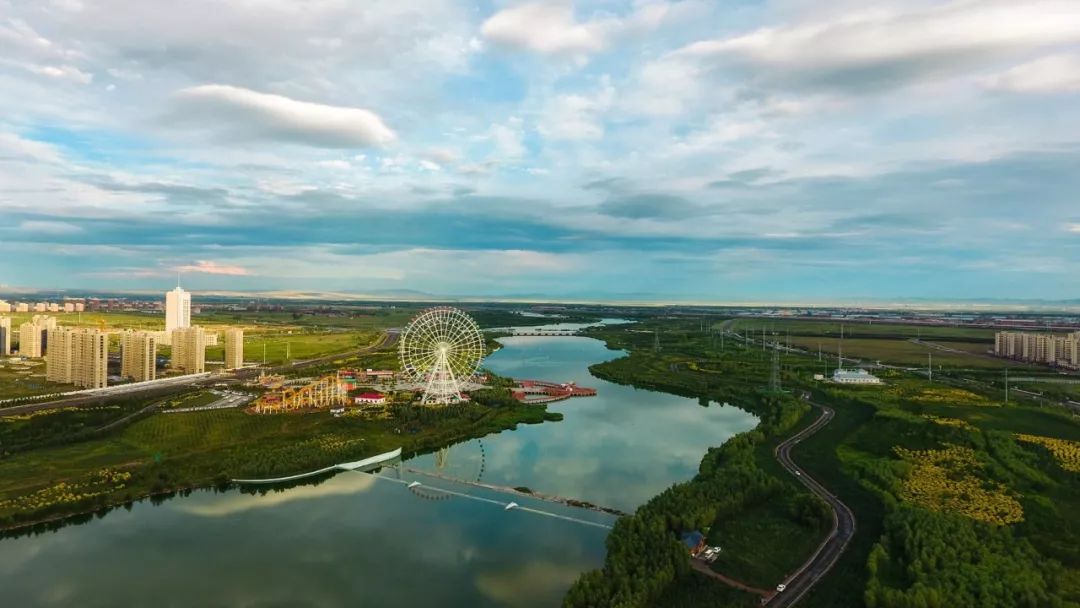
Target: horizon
666, 150
975, 305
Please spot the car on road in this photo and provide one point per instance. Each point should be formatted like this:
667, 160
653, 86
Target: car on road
780, 588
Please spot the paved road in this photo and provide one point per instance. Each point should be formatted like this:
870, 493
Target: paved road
180, 384
843, 521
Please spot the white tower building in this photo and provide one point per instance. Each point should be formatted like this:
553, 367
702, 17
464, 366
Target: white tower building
177, 310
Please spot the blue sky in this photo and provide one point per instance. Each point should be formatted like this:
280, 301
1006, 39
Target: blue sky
650, 150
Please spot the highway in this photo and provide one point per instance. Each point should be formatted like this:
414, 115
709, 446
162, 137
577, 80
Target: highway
843, 529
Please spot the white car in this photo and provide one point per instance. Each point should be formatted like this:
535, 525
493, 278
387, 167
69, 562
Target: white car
780, 588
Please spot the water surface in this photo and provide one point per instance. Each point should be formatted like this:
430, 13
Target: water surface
362, 540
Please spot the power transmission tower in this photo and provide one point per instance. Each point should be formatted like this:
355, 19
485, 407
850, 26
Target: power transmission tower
774, 374
656, 341
1006, 386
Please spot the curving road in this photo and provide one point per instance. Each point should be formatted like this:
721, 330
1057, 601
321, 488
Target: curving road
819, 564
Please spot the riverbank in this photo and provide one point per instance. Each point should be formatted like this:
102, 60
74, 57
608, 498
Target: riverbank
164, 455
646, 563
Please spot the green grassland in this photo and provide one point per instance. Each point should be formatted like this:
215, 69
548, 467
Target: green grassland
26, 378
166, 452
299, 345
1001, 528
904, 352
863, 329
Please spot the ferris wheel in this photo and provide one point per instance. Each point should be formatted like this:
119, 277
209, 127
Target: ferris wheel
441, 348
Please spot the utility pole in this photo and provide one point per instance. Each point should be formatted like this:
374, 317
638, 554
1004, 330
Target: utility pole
1006, 386
819, 351
656, 341
930, 366
774, 375
264, 353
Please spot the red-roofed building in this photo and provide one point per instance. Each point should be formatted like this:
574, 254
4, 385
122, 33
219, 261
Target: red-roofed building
372, 398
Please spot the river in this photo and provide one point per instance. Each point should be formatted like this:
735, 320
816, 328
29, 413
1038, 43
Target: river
357, 539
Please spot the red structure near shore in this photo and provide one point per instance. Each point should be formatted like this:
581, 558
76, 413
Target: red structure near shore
540, 391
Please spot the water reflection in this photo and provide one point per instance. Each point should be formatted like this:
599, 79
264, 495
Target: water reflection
354, 539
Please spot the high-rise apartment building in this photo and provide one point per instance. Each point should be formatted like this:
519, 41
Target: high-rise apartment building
234, 348
22, 307
138, 352
5, 336
5, 306
189, 350
34, 336
1039, 347
78, 356
30, 340
177, 309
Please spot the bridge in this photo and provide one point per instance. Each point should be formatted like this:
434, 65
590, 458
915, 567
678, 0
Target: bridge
544, 332
366, 464
392, 460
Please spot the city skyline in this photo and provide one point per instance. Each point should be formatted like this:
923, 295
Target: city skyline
674, 151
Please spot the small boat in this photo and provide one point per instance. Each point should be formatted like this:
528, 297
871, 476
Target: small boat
414, 484
512, 505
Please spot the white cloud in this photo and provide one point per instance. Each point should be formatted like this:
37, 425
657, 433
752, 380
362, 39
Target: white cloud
543, 28
509, 138
1051, 74
1075, 228
49, 227
212, 267
62, 72
896, 44
552, 29
243, 114
20, 148
337, 165
578, 116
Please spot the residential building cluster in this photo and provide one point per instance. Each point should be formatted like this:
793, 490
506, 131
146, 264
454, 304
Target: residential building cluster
80, 356
1058, 350
57, 307
138, 355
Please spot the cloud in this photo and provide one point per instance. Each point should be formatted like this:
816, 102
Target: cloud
509, 138
1051, 74
553, 29
548, 29
880, 47
578, 117
650, 206
244, 115
15, 147
49, 227
1074, 228
338, 485
211, 267
62, 72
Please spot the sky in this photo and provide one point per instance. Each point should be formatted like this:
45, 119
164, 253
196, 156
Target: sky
650, 150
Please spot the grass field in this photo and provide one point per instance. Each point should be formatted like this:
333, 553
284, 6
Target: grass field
26, 378
164, 452
905, 352
831, 328
300, 345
